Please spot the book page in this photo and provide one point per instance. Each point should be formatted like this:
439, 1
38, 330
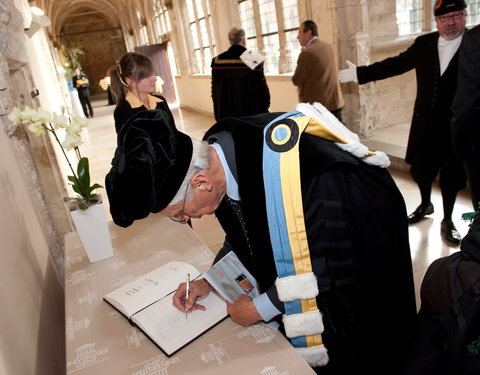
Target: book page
230, 278
171, 329
151, 287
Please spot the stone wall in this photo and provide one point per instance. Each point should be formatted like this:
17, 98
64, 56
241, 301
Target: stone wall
32, 325
368, 33
37, 162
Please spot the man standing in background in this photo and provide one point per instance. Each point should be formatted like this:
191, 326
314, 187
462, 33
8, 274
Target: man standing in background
238, 89
316, 72
434, 57
80, 82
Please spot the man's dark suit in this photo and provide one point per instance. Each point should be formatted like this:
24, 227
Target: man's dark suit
430, 140
466, 109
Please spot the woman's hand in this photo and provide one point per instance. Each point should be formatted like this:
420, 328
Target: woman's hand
199, 289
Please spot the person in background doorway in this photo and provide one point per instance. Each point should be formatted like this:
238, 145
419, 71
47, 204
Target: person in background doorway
238, 89
104, 83
316, 72
466, 112
133, 83
81, 83
434, 57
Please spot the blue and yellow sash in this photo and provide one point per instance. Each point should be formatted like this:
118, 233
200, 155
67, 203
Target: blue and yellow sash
296, 284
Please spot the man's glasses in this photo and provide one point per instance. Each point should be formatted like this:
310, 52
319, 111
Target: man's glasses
455, 16
180, 218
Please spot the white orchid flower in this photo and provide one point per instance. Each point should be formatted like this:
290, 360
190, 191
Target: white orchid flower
80, 121
39, 122
15, 116
28, 115
37, 128
71, 141
43, 116
59, 121
75, 127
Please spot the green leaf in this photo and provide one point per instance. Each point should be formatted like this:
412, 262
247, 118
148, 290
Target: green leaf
76, 190
81, 186
469, 217
83, 177
93, 187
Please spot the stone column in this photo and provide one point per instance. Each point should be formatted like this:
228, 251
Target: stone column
15, 87
360, 27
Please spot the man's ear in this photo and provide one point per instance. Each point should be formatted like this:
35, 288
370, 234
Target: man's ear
201, 182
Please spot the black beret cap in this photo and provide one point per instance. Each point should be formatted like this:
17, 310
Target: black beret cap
446, 6
150, 163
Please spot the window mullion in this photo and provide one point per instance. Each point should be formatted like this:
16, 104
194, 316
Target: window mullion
282, 39
199, 37
427, 15
258, 26
208, 25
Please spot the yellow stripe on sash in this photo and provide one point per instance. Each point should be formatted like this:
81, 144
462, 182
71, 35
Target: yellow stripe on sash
293, 205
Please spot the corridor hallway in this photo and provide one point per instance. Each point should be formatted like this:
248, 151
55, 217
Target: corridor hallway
426, 243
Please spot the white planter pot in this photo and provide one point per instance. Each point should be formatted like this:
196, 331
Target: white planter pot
92, 228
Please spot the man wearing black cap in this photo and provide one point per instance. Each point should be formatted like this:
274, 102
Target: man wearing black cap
435, 59
310, 211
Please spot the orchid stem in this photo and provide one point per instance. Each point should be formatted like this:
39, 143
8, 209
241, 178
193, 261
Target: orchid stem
61, 148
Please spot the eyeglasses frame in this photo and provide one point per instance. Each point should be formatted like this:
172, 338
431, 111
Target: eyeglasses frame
445, 17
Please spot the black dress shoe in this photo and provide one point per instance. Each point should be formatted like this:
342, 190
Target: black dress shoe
420, 213
450, 232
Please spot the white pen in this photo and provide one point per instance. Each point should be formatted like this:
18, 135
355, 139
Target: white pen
187, 293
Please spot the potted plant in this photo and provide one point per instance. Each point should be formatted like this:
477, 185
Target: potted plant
86, 209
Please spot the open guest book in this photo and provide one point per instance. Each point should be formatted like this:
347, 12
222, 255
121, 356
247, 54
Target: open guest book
147, 303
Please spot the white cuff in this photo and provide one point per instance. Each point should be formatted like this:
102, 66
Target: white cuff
304, 324
380, 159
303, 286
265, 307
315, 356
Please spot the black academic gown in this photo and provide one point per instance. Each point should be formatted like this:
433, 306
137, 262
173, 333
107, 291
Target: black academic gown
448, 335
237, 90
430, 138
358, 237
124, 111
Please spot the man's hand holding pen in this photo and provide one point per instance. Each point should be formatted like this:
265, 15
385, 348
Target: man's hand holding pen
243, 311
187, 292
198, 290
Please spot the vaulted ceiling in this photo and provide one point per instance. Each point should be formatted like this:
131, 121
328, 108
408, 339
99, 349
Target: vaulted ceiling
85, 14
94, 34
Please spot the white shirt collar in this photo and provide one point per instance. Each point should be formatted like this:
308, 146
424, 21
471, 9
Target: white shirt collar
446, 50
232, 185
311, 40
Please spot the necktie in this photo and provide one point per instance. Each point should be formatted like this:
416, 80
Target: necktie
237, 208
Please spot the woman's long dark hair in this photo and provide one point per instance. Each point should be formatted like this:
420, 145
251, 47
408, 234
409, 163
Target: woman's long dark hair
132, 65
